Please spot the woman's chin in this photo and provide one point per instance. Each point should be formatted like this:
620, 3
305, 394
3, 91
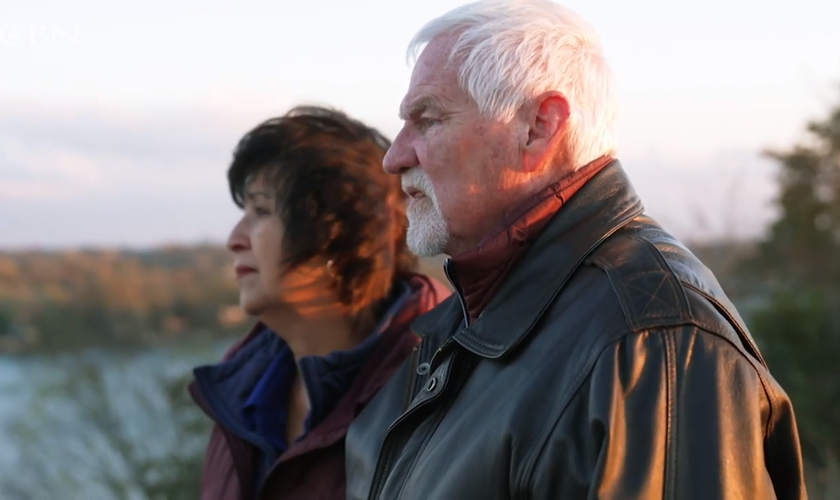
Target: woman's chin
252, 306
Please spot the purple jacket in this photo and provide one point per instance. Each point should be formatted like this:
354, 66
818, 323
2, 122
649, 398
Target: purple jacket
313, 467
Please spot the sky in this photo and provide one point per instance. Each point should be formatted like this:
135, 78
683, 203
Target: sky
117, 121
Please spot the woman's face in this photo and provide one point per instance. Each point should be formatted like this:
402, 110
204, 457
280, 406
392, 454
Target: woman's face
256, 244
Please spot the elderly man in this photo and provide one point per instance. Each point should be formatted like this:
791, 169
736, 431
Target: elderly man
587, 353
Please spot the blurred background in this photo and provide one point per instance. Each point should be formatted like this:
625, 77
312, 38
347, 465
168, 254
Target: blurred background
117, 122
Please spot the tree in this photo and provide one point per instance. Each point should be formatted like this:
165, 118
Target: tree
806, 237
796, 274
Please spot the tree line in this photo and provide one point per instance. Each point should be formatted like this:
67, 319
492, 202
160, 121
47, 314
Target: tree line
76, 299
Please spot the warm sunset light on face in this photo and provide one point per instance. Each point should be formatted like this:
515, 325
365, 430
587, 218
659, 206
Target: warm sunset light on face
419, 249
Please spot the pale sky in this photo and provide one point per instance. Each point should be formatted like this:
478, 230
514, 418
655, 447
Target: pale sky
117, 121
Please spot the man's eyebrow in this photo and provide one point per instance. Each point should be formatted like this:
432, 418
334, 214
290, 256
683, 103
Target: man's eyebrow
418, 106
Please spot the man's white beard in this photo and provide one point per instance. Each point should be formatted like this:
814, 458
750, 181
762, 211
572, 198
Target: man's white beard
427, 235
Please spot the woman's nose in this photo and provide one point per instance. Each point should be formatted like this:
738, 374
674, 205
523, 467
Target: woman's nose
238, 239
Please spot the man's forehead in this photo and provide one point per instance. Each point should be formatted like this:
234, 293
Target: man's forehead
437, 90
432, 65
434, 81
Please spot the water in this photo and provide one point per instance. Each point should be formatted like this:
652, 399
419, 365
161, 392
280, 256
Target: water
92, 410
14, 398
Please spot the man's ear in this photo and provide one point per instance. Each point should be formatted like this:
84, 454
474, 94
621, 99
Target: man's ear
546, 117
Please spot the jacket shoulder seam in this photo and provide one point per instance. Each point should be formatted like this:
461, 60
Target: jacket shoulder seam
634, 266
671, 451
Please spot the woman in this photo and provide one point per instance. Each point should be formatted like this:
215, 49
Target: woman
321, 261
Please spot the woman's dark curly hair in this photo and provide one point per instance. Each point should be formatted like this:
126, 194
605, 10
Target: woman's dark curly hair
333, 198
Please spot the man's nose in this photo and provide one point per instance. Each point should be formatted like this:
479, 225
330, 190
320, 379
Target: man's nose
401, 156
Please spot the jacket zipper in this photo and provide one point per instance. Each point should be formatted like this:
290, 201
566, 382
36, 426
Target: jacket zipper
446, 270
382, 471
412, 374
437, 419
387, 455
416, 353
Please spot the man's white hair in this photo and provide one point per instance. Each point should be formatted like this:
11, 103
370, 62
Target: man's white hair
510, 51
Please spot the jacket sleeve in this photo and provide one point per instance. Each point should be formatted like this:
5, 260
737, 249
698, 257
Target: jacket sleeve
679, 413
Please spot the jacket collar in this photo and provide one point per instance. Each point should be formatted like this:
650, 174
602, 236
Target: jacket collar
600, 208
480, 272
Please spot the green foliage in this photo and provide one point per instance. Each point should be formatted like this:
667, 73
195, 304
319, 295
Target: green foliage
78, 299
799, 332
795, 274
802, 248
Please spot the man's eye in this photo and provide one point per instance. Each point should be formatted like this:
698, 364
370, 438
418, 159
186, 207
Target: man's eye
428, 122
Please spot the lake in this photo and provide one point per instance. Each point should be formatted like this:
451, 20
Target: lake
65, 418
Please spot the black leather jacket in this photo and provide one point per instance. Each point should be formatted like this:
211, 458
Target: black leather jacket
609, 365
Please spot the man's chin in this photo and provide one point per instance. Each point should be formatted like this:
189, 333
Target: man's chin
424, 245
425, 253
